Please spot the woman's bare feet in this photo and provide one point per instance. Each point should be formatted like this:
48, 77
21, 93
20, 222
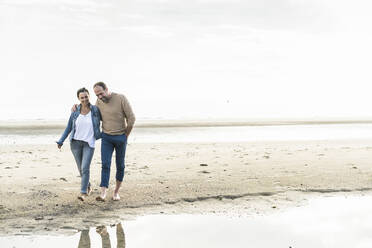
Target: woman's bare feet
89, 191
82, 197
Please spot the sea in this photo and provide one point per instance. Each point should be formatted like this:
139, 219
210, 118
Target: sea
212, 131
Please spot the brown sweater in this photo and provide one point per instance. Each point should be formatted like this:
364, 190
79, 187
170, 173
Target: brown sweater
117, 115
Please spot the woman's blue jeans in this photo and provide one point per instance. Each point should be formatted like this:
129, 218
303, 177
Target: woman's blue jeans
83, 155
108, 145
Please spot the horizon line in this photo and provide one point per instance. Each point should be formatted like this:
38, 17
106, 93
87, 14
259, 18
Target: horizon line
164, 123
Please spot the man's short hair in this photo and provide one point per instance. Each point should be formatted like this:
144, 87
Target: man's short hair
81, 90
102, 84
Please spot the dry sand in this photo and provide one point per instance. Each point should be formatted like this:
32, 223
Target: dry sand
40, 184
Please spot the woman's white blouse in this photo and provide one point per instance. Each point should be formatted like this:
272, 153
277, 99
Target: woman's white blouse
84, 129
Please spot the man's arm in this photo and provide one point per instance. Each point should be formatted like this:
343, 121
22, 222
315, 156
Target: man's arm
74, 107
129, 115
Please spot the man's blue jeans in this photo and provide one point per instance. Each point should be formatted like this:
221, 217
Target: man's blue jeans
108, 144
83, 155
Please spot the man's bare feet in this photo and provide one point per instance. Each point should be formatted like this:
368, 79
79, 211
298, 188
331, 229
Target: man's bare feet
116, 197
102, 230
102, 197
81, 197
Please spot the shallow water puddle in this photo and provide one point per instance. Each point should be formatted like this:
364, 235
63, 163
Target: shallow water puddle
324, 222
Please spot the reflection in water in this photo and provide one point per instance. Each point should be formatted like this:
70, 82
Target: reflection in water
120, 236
84, 241
341, 222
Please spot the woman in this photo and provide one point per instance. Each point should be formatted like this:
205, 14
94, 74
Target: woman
84, 126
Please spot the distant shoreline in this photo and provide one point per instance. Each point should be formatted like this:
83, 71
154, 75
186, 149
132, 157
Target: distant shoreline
59, 124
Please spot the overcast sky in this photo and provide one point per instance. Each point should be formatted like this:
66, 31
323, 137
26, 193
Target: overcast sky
188, 58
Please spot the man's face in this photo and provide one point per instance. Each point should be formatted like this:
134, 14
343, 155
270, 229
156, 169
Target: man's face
101, 93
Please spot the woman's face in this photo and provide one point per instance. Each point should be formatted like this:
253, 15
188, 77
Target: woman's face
84, 98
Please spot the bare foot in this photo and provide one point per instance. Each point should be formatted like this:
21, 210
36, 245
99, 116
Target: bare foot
81, 197
102, 230
100, 198
89, 191
103, 194
116, 197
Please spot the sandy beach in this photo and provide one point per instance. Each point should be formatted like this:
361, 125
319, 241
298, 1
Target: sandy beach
40, 184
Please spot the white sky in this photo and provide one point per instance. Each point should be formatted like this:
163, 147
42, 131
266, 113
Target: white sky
188, 58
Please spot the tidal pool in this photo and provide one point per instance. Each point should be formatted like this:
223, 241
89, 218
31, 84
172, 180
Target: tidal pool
325, 222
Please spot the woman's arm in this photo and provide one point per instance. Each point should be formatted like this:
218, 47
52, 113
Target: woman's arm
99, 113
67, 131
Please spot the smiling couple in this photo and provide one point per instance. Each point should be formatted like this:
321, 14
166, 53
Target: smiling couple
83, 126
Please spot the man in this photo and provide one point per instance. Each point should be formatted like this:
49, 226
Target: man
117, 123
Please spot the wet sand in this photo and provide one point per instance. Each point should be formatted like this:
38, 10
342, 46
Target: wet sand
40, 184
